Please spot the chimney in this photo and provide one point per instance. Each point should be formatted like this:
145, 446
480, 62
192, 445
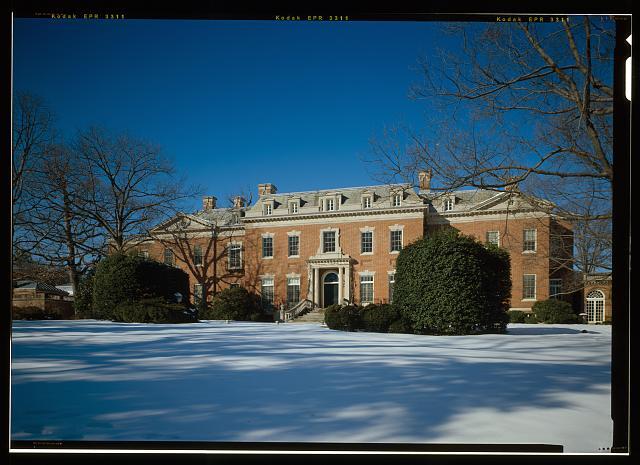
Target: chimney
424, 180
238, 202
266, 189
208, 203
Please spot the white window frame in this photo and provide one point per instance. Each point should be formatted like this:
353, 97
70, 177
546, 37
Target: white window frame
294, 207
336, 232
267, 208
273, 246
291, 282
370, 279
535, 287
396, 199
367, 201
497, 237
392, 229
324, 242
594, 305
362, 233
198, 296
448, 204
289, 236
235, 246
264, 283
197, 262
524, 241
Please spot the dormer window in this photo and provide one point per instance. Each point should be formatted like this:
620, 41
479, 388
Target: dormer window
367, 201
267, 207
448, 205
293, 207
396, 199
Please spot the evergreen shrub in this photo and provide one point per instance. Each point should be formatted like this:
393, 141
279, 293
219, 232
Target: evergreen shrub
554, 311
235, 303
153, 310
344, 318
378, 318
449, 283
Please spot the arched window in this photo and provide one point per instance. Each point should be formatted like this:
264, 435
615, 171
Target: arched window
595, 306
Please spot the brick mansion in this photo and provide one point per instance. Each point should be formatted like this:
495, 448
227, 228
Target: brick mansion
340, 245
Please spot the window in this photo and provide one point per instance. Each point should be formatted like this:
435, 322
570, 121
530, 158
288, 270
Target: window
329, 205
396, 241
529, 286
197, 293
294, 246
328, 241
235, 256
144, 254
396, 200
197, 255
293, 207
366, 242
267, 247
293, 291
493, 237
595, 306
555, 288
169, 259
366, 201
448, 205
529, 240
392, 282
266, 291
267, 209
366, 288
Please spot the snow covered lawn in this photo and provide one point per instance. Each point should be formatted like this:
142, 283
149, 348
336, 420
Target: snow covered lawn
212, 381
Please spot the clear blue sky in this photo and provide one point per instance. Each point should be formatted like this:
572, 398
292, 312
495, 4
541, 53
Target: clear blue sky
234, 103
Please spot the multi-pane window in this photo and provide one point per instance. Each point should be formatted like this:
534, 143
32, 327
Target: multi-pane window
266, 290
293, 207
235, 256
396, 240
169, 259
392, 282
267, 209
555, 287
493, 237
529, 240
595, 306
329, 241
366, 288
294, 246
144, 254
529, 286
396, 200
366, 242
448, 205
293, 291
197, 293
267, 247
197, 255
329, 205
366, 202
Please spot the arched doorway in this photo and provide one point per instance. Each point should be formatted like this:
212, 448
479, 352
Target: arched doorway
595, 306
330, 289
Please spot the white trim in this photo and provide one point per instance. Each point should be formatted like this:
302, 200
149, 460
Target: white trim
293, 233
228, 247
337, 219
396, 227
363, 231
535, 288
338, 249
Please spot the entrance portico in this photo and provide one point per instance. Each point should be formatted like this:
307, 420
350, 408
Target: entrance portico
329, 279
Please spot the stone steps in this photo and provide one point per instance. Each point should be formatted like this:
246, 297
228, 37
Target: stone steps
315, 316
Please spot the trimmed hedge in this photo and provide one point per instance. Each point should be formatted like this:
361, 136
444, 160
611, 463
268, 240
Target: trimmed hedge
344, 318
123, 280
378, 318
449, 283
235, 303
154, 310
554, 311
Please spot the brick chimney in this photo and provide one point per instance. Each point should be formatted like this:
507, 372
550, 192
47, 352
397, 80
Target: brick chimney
266, 189
424, 179
208, 202
238, 202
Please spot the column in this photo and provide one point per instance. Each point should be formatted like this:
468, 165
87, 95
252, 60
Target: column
347, 283
316, 286
340, 283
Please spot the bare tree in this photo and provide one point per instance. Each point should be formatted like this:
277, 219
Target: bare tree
522, 106
33, 137
130, 185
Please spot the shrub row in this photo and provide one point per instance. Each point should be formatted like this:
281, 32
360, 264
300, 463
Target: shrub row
235, 303
153, 310
551, 311
374, 318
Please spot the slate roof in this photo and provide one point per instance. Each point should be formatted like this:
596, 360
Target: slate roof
41, 287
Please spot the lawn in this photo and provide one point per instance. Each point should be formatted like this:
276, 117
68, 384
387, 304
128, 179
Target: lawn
211, 381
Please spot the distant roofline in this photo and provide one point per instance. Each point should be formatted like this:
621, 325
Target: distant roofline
339, 189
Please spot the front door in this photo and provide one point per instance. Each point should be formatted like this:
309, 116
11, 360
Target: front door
330, 289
